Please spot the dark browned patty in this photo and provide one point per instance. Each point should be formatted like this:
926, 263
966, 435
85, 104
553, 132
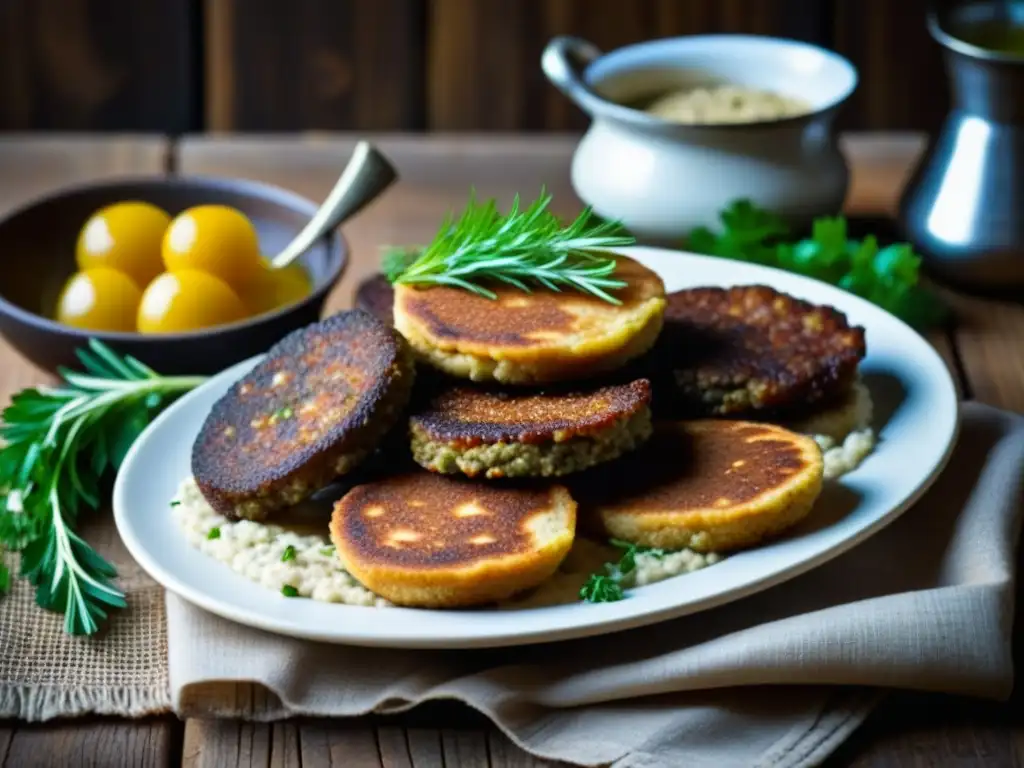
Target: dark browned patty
376, 296
499, 434
469, 416
320, 402
751, 350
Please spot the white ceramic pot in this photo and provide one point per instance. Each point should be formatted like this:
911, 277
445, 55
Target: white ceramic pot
662, 179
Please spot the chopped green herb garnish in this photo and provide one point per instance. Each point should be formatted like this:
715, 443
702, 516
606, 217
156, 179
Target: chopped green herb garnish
289, 591
57, 445
601, 589
289, 554
327, 551
213, 534
888, 277
607, 587
522, 248
176, 503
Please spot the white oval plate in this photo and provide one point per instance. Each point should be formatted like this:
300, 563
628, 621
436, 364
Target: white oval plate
917, 415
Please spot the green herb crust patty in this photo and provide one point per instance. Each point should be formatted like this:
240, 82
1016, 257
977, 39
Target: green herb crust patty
312, 410
545, 434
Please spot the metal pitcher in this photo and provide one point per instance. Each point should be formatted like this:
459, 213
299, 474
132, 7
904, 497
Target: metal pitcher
963, 207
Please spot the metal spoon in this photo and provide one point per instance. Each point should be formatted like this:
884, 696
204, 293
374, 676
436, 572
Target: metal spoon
367, 174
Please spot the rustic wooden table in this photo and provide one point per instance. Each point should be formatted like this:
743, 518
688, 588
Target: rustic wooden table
984, 350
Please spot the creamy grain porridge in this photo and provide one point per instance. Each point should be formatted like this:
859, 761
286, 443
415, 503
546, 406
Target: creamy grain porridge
725, 104
257, 550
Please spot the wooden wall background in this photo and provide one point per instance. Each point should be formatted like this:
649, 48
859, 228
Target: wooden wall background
287, 65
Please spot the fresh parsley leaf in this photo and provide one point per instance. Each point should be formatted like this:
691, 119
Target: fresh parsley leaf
213, 533
288, 554
888, 277
607, 587
289, 591
601, 589
522, 248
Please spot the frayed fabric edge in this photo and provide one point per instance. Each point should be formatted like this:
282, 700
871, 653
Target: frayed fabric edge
33, 703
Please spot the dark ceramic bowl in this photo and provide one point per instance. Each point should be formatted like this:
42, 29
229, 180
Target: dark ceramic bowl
37, 255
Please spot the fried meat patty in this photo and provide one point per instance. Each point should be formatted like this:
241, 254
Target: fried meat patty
420, 539
319, 403
529, 434
752, 351
540, 337
376, 296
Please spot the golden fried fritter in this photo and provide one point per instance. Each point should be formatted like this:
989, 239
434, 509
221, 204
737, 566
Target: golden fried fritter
712, 485
539, 337
421, 539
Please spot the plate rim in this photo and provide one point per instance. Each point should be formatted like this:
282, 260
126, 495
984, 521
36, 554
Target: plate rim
541, 634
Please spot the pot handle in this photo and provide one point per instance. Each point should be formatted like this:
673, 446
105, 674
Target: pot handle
563, 61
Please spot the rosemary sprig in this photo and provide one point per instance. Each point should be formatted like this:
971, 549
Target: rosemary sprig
606, 587
523, 248
58, 444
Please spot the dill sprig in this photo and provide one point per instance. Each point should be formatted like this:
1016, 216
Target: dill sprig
522, 248
58, 444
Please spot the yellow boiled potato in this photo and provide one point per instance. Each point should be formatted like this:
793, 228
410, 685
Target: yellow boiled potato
187, 300
99, 299
124, 236
215, 239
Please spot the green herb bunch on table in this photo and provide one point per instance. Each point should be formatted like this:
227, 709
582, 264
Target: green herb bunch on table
58, 445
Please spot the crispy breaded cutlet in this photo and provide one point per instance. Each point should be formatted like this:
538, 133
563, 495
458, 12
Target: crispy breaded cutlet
529, 434
420, 539
712, 485
750, 351
376, 296
539, 337
320, 402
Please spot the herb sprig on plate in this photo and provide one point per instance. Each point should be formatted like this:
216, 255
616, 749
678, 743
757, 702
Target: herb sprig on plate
525, 248
57, 445
887, 276
606, 586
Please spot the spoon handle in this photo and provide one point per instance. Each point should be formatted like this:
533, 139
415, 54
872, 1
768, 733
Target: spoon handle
367, 174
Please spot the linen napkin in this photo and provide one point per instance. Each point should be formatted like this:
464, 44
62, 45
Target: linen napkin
779, 678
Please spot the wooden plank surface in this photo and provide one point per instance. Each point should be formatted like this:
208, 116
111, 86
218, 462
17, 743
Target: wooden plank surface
97, 65
314, 64
484, 57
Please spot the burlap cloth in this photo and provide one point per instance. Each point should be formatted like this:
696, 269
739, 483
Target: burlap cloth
777, 679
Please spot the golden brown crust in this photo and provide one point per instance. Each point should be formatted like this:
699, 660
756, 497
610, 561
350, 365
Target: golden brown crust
424, 520
747, 349
711, 485
538, 337
464, 416
318, 403
421, 539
